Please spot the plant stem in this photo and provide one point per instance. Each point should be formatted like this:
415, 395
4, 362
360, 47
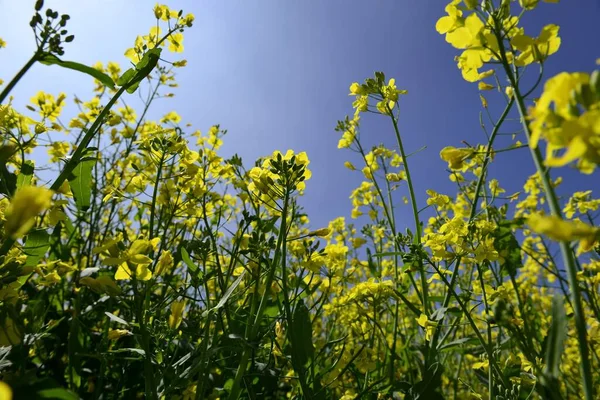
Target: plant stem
415, 209
19, 75
85, 141
236, 387
551, 198
484, 165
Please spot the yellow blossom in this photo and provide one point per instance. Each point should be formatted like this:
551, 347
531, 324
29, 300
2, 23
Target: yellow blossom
27, 203
177, 310
565, 231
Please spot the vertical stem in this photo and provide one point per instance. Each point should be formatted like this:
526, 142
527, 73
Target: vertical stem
480, 182
236, 388
567, 252
415, 210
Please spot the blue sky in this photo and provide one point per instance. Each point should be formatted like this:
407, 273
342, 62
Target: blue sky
276, 73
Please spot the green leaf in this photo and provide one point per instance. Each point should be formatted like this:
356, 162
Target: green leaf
462, 342
149, 60
554, 344
81, 182
130, 350
226, 295
143, 68
36, 245
45, 388
51, 59
114, 318
507, 244
303, 350
26, 174
185, 256
556, 338
57, 393
8, 180
389, 254
126, 77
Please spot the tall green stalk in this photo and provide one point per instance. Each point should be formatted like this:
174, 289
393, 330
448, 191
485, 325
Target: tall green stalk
236, 387
553, 205
20, 74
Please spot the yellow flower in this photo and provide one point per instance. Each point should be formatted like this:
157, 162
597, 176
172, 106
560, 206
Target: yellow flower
134, 256
528, 4
510, 91
455, 157
452, 21
27, 203
350, 166
356, 89
48, 106
485, 86
136, 52
538, 49
171, 117
5, 390
153, 37
176, 42
564, 126
58, 150
114, 334
177, 309
165, 262
565, 231
427, 325
187, 20
468, 35
101, 285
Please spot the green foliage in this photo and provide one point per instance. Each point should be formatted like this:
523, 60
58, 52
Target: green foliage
157, 269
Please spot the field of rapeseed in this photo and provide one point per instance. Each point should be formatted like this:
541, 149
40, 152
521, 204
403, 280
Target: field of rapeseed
152, 267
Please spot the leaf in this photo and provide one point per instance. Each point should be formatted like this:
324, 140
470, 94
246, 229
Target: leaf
130, 350
126, 77
227, 295
81, 183
507, 244
51, 59
549, 379
303, 350
389, 254
458, 342
56, 393
36, 245
114, 318
185, 256
8, 180
45, 388
556, 337
143, 68
26, 174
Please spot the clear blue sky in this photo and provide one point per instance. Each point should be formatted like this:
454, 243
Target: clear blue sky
276, 73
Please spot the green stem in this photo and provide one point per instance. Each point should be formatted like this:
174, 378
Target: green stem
567, 252
19, 75
154, 196
415, 210
74, 160
480, 181
85, 141
486, 346
149, 386
236, 387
